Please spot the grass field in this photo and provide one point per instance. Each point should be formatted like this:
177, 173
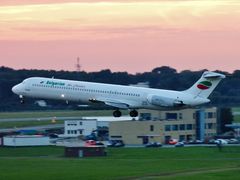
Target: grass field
48, 163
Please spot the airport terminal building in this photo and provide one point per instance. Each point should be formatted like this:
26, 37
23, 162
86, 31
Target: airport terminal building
161, 126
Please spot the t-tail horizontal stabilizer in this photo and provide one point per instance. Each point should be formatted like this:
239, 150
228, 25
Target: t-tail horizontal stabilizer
206, 84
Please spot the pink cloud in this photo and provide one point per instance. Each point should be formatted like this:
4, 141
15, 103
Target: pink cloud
182, 51
188, 38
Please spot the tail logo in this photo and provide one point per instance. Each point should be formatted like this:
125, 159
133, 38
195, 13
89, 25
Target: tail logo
204, 85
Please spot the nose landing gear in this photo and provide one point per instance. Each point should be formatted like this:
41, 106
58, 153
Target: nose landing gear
22, 100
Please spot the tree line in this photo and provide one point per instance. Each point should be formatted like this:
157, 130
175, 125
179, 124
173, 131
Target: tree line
226, 94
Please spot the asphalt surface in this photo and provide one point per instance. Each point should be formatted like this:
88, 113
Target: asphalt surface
99, 118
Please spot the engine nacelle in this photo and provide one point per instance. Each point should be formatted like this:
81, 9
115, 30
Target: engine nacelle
164, 101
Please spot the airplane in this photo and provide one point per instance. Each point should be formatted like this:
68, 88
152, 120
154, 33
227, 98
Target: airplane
119, 96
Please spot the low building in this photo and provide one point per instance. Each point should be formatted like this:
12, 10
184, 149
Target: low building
79, 152
26, 140
86, 125
75, 128
161, 126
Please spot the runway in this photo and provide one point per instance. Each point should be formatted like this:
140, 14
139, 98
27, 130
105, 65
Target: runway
99, 118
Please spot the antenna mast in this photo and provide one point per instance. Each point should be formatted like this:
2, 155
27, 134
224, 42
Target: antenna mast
78, 65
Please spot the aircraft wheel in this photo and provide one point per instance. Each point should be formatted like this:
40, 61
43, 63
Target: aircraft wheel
117, 113
133, 113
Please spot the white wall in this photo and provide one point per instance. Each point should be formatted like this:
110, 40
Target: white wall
26, 141
74, 128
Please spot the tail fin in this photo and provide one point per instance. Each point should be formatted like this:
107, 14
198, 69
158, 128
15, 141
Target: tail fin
206, 84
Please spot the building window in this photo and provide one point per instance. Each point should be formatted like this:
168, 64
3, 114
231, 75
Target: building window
210, 115
151, 128
189, 137
189, 126
81, 132
181, 137
167, 128
172, 116
72, 124
80, 123
210, 125
116, 136
175, 127
180, 115
182, 127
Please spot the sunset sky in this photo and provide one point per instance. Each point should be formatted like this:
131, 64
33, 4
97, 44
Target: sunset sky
121, 35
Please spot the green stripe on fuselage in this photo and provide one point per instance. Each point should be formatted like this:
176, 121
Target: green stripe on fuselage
55, 83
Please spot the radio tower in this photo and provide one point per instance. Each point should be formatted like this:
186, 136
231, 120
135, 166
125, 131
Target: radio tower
78, 65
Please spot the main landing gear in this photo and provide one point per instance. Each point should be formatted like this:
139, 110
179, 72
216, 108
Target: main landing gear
133, 113
118, 113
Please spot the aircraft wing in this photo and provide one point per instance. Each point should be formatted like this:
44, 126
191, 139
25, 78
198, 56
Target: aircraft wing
111, 102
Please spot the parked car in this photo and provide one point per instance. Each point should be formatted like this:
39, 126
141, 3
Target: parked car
154, 144
221, 141
211, 141
90, 143
233, 141
173, 141
179, 144
195, 142
119, 144
115, 143
99, 143
53, 135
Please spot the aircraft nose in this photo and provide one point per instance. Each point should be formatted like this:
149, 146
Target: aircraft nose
16, 89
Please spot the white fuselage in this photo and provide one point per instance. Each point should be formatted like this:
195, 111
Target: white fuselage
134, 97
